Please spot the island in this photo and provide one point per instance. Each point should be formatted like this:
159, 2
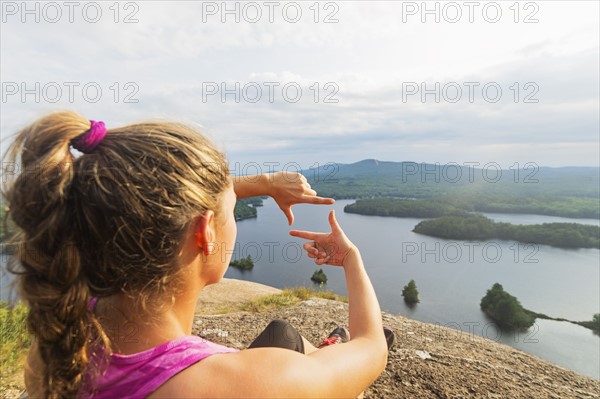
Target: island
478, 227
593, 324
243, 264
505, 309
508, 313
246, 208
404, 208
410, 293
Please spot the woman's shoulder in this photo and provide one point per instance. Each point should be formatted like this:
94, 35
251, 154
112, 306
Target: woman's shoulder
197, 380
143, 372
251, 372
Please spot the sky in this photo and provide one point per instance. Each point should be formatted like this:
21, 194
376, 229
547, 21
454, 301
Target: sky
308, 83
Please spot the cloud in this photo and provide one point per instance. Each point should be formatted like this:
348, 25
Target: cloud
366, 61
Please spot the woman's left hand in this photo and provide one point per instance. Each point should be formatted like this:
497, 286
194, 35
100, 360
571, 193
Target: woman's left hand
289, 189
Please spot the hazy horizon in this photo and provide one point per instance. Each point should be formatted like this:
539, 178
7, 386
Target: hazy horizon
274, 165
310, 83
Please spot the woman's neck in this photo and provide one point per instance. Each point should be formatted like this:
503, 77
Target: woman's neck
131, 331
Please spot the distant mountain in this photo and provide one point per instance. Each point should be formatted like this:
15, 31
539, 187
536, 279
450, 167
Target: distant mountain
364, 168
371, 177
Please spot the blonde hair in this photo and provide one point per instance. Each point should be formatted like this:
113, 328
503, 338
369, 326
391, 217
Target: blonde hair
111, 221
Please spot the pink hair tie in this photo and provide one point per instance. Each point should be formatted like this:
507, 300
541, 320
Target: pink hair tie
90, 139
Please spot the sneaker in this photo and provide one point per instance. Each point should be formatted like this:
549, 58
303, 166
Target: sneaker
337, 336
389, 337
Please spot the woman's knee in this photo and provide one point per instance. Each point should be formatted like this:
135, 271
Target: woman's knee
281, 334
278, 324
283, 330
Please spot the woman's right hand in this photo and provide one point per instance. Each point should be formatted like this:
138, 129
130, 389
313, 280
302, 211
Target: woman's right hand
327, 248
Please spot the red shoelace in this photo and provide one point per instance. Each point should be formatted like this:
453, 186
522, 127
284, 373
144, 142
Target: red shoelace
330, 341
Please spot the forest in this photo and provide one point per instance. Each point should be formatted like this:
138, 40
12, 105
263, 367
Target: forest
460, 204
477, 227
404, 208
246, 208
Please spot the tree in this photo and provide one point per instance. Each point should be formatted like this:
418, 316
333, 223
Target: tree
319, 277
243, 264
593, 324
596, 321
410, 293
505, 309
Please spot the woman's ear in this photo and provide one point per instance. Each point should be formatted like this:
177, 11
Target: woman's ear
205, 232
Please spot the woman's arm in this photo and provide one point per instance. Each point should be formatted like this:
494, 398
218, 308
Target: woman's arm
336, 371
250, 186
364, 312
286, 188
332, 372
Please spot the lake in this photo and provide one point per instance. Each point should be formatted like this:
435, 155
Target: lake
451, 276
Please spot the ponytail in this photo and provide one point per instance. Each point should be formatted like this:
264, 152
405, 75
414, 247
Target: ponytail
52, 280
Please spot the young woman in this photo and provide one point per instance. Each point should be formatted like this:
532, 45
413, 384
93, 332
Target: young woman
117, 242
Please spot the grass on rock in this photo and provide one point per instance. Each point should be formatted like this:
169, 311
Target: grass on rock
288, 297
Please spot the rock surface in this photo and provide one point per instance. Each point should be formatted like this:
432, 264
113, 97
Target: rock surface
461, 365
217, 298
458, 365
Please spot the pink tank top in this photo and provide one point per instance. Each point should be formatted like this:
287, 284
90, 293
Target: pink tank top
140, 374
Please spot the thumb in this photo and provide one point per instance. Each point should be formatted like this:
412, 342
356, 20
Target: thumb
333, 222
289, 214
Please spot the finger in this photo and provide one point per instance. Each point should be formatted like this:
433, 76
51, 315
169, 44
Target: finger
310, 248
309, 235
289, 214
319, 200
293, 176
333, 222
322, 261
309, 192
